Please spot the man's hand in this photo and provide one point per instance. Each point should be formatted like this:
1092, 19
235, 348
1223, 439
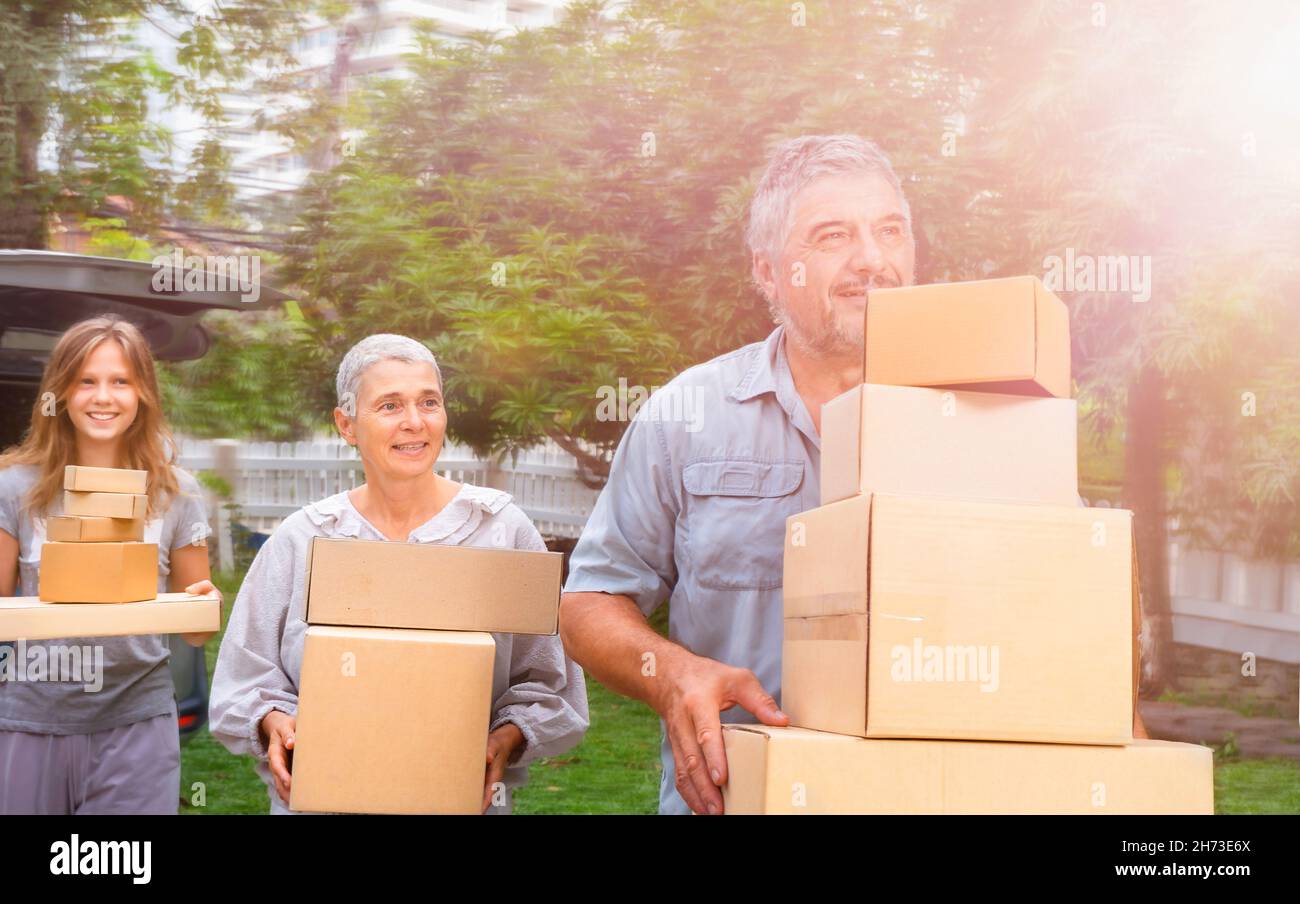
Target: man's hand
609, 637
694, 691
501, 746
277, 731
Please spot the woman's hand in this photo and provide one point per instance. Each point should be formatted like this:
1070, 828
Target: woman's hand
277, 731
501, 746
202, 588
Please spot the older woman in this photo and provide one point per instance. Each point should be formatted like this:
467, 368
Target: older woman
391, 409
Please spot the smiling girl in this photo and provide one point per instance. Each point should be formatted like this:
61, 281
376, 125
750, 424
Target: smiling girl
109, 745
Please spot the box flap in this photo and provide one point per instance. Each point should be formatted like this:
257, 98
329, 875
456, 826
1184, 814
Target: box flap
745, 793
1052, 342
841, 436
829, 533
1137, 623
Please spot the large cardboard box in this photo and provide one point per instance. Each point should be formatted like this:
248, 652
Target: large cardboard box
972, 445
105, 505
372, 583
914, 617
104, 480
81, 529
997, 335
30, 618
98, 572
392, 721
797, 771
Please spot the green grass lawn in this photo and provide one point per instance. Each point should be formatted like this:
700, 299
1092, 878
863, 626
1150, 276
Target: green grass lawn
1251, 787
616, 767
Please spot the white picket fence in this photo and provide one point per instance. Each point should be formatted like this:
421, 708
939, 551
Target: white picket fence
1227, 601
270, 481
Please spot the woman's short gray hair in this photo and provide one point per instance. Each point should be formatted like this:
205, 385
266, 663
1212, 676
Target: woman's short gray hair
372, 350
793, 165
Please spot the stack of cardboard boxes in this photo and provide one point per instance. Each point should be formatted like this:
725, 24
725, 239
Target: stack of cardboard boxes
96, 554
960, 634
395, 692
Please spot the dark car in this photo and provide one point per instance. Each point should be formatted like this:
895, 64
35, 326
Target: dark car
42, 293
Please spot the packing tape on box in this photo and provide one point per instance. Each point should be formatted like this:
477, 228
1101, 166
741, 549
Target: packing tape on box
833, 627
831, 605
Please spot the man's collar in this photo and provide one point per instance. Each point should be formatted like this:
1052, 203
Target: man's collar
761, 376
770, 372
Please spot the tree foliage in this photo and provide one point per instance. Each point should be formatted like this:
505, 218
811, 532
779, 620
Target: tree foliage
601, 170
75, 81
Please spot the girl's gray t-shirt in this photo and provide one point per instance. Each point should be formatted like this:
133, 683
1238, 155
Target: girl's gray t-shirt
79, 685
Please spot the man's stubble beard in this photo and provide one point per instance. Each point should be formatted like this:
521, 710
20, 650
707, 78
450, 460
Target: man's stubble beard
827, 339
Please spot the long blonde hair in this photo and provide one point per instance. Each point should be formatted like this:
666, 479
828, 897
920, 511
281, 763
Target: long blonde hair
51, 442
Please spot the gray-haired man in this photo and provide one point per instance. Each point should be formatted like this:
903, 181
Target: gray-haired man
697, 516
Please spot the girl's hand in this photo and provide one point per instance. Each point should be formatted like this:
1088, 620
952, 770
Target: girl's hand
202, 588
501, 746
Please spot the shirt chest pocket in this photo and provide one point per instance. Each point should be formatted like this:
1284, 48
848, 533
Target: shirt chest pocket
735, 520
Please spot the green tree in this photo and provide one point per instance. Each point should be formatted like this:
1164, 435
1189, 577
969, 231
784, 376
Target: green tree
73, 77
601, 171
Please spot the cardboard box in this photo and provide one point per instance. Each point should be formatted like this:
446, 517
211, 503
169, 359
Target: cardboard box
105, 480
30, 618
914, 617
970, 445
82, 529
98, 572
997, 335
378, 584
105, 505
392, 721
796, 771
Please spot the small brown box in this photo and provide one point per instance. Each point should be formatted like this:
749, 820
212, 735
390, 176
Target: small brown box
378, 584
105, 505
105, 480
392, 721
1009, 335
98, 572
86, 529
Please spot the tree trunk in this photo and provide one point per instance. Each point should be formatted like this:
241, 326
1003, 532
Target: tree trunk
23, 215
1145, 463
24, 91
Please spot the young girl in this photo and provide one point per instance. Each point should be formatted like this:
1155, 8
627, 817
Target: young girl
106, 743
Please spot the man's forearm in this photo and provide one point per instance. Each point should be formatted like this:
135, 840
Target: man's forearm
608, 636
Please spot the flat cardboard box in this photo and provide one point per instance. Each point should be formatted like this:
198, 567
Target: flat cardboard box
797, 771
98, 572
377, 584
392, 721
916, 617
105, 505
996, 335
105, 480
83, 529
31, 618
970, 445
